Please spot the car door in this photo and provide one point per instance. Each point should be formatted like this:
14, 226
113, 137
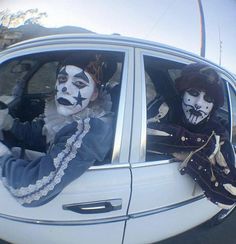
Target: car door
93, 208
164, 202
232, 101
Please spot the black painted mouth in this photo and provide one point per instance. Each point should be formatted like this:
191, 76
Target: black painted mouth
64, 101
195, 112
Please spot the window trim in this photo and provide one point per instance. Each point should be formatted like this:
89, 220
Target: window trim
139, 139
230, 87
139, 133
122, 139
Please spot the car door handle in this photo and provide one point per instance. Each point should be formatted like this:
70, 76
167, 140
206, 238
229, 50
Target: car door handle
94, 207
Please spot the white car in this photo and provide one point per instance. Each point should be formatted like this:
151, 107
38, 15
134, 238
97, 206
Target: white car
132, 197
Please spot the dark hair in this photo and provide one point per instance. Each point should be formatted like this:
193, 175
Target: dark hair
203, 77
80, 60
99, 66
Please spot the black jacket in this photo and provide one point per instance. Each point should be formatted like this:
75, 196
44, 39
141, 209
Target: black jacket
210, 157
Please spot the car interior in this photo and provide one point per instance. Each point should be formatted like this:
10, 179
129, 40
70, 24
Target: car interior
162, 74
31, 80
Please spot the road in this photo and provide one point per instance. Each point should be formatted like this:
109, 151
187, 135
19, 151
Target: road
224, 233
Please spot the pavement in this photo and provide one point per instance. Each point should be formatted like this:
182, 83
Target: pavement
224, 233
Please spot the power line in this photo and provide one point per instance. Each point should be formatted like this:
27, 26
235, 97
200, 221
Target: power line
162, 15
220, 46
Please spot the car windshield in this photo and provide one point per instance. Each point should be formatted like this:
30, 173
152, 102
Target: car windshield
12, 74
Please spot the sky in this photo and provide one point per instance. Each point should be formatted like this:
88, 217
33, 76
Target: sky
172, 22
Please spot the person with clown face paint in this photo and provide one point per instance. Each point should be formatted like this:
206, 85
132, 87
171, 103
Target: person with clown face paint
75, 89
188, 129
76, 130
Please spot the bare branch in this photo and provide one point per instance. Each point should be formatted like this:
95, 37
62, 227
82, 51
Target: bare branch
30, 16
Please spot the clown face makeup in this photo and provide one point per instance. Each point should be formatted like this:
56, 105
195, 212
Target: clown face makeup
196, 105
75, 89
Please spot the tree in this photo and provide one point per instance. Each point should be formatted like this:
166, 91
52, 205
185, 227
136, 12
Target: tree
12, 20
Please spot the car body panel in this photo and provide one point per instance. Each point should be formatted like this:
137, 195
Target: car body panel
151, 198
158, 185
81, 191
28, 233
169, 222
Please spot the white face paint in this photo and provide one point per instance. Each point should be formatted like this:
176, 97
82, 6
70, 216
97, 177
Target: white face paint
75, 89
196, 105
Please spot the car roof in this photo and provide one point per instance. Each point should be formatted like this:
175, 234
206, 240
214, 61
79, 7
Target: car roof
114, 39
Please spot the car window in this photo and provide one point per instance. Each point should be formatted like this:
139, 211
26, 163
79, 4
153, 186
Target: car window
12, 73
160, 75
34, 84
43, 80
161, 78
233, 104
223, 113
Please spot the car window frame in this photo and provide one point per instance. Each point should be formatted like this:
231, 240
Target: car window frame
233, 88
140, 111
122, 139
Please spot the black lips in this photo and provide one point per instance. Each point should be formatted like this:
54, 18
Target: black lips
64, 101
195, 112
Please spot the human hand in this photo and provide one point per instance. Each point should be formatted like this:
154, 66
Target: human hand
4, 150
6, 121
180, 155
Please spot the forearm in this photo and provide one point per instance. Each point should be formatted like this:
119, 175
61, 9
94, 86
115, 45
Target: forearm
75, 149
169, 138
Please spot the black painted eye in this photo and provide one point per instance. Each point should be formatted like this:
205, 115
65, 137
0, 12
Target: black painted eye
193, 92
79, 84
208, 99
62, 79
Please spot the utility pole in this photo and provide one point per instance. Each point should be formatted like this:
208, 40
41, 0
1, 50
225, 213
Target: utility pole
220, 47
203, 31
